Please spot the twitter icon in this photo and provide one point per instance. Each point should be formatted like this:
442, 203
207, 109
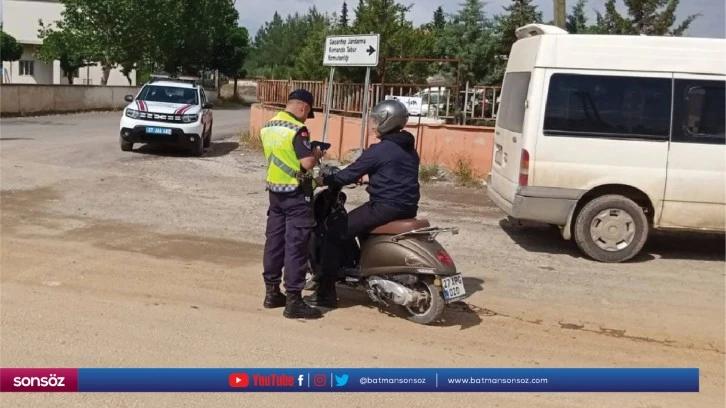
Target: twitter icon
341, 380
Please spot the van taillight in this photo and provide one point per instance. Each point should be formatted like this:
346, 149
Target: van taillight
524, 168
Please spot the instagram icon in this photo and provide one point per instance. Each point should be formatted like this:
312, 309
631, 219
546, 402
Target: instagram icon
320, 380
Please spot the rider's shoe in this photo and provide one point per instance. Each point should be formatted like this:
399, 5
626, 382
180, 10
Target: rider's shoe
325, 295
296, 308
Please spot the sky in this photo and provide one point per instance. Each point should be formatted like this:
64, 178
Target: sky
253, 14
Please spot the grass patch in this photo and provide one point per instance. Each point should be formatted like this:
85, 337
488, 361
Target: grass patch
464, 173
428, 172
250, 141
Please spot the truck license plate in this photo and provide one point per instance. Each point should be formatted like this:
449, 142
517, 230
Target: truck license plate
158, 131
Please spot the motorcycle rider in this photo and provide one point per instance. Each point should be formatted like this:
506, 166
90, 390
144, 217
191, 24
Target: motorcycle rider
390, 169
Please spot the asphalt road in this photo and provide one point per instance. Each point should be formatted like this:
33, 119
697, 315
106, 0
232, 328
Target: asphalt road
152, 258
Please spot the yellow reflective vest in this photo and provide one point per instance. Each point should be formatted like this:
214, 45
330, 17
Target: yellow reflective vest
283, 166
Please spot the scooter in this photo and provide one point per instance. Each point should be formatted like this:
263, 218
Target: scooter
400, 263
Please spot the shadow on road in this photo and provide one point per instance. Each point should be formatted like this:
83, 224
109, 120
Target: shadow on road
216, 149
452, 316
16, 138
219, 149
666, 245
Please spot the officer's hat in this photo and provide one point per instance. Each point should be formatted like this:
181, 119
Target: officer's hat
305, 96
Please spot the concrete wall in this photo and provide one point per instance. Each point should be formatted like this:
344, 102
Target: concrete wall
436, 143
21, 100
40, 99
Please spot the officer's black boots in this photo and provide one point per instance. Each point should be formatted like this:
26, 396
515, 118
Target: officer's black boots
325, 295
273, 297
296, 308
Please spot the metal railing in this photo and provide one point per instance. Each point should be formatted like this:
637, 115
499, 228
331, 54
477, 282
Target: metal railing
442, 102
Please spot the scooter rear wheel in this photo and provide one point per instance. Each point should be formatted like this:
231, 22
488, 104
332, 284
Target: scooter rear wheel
432, 310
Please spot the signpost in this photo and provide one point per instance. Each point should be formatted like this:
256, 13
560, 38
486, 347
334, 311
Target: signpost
359, 50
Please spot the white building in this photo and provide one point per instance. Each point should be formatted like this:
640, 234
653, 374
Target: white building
20, 19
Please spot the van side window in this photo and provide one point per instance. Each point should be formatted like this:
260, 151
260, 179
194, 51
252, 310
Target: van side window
698, 111
514, 95
608, 106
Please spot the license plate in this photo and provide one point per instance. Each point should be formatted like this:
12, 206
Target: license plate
453, 288
158, 131
498, 155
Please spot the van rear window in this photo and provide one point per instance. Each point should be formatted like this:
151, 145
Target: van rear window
608, 106
514, 95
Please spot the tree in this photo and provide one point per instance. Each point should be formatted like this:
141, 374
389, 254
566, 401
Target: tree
103, 24
65, 47
649, 17
10, 49
343, 22
467, 36
398, 39
439, 22
519, 13
184, 38
230, 56
577, 21
309, 63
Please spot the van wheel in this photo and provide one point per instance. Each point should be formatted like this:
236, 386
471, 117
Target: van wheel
611, 228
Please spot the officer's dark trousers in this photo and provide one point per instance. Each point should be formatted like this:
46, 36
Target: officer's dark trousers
341, 250
289, 224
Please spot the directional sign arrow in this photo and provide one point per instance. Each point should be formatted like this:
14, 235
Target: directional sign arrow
371, 50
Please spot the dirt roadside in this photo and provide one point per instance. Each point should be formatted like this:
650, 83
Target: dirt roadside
152, 259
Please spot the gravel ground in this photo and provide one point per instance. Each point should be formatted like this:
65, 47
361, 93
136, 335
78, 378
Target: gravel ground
124, 243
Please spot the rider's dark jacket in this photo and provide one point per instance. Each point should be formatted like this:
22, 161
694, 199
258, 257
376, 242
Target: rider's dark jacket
392, 166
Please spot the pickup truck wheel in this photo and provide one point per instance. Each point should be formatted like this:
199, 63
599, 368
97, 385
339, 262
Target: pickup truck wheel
611, 228
198, 148
208, 139
125, 146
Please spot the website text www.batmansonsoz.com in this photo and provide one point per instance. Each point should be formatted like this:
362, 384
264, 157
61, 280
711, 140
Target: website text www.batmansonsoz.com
381, 380
478, 380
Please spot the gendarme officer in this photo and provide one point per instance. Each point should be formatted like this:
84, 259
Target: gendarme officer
290, 220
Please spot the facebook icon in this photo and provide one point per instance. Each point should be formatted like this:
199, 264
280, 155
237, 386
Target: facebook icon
300, 380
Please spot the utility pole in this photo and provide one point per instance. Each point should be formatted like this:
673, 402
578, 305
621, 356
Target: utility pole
560, 10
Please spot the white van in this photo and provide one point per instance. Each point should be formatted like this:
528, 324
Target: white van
609, 136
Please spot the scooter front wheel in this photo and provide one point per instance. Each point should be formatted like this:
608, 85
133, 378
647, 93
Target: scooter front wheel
429, 311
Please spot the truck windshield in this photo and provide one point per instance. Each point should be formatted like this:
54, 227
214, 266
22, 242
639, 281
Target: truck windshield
169, 94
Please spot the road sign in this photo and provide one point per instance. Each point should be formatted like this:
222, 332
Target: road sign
351, 50
413, 103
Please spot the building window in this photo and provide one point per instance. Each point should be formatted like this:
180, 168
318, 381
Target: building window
514, 96
608, 106
698, 115
27, 68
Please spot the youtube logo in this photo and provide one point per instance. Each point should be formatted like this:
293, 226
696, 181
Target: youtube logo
239, 380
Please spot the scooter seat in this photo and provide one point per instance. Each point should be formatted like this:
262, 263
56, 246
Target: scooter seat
400, 227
